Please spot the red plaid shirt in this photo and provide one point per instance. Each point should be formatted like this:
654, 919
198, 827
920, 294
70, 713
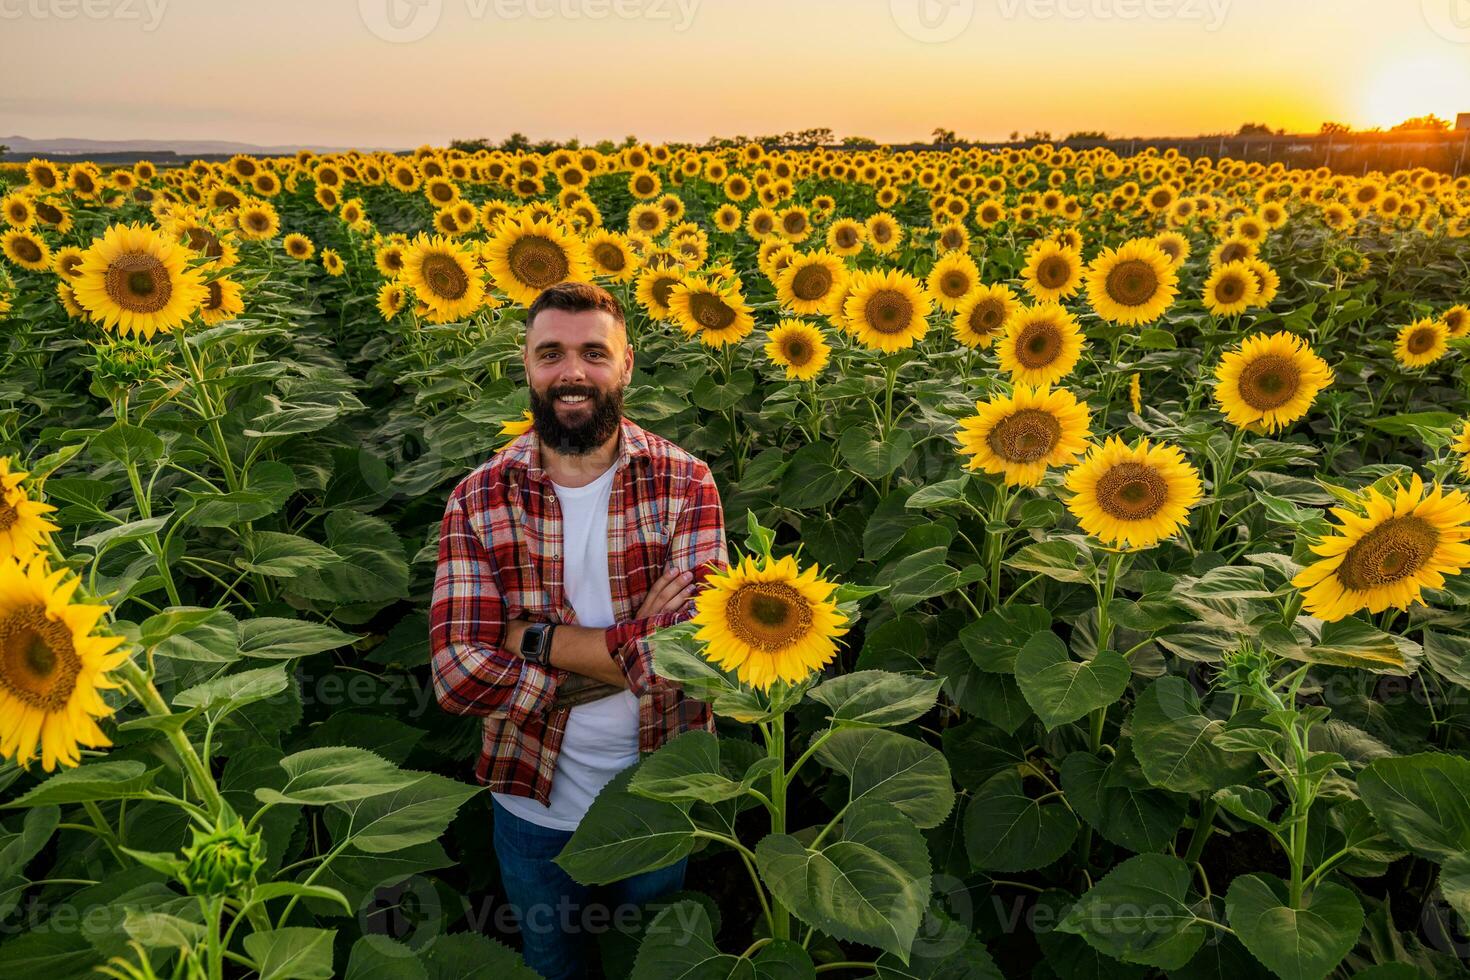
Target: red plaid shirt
500, 559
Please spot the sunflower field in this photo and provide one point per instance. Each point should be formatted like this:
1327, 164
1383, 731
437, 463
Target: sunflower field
1095, 606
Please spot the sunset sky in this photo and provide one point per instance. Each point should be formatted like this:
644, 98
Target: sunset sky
294, 72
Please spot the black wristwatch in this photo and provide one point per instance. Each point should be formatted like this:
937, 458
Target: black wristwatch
536, 643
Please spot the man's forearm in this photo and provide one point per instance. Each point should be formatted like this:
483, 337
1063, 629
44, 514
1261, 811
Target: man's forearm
579, 649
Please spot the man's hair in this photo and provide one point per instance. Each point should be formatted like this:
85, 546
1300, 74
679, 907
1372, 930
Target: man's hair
576, 297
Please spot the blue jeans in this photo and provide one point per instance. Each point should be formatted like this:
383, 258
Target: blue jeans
557, 915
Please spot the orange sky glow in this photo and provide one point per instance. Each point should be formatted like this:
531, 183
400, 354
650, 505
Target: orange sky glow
399, 73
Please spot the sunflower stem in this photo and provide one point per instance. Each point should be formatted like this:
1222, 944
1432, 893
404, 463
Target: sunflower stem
197, 771
780, 919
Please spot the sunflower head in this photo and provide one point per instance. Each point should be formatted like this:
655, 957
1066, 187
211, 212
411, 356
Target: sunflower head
1270, 381
1041, 344
1052, 272
887, 311
530, 255
1133, 284
715, 311
767, 620
1133, 496
811, 282
798, 347
982, 317
53, 669
1230, 289
1421, 342
136, 281
1387, 550
1021, 435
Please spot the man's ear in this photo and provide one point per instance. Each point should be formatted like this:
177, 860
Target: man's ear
627, 363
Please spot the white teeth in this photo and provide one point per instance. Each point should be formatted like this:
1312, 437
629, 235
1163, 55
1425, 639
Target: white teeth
572, 399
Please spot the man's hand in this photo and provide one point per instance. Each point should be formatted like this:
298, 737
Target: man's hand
668, 594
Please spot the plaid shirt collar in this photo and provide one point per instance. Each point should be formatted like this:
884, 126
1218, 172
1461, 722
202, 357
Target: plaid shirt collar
524, 454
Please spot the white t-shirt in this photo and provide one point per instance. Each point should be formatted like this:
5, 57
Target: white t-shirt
601, 739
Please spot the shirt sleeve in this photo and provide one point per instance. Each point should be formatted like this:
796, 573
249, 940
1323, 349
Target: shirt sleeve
473, 674
698, 544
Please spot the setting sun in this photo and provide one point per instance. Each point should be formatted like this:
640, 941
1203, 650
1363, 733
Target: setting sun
1416, 85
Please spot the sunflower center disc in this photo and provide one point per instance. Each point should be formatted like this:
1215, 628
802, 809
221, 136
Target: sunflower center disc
955, 284
797, 352
768, 615
610, 257
881, 233
1229, 289
1131, 491
27, 250
138, 283
793, 224
1269, 382
1024, 437
1053, 273
49, 213
1132, 283
38, 664
661, 290
986, 317
1038, 345
710, 312
846, 238
1391, 552
950, 239
538, 262
812, 282
888, 311
444, 277
1420, 341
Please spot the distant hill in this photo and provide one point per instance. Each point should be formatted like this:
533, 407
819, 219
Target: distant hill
24, 146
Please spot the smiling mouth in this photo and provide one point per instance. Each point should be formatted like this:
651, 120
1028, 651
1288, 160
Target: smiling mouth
572, 399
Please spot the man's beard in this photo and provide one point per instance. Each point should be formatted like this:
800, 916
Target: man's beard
595, 428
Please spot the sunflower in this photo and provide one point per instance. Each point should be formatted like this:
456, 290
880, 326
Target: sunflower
22, 528
1387, 551
845, 237
953, 278
332, 262
527, 256
1421, 342
1174, 245
885, 234
136, 281
390, 300
257, 220
67, 263
1052, 271
1134, 496
760, 223
1041, 344
55, 216
1021, 434
982, 316
716, 313
513, 429
1461, 444
52, 669
26, 249
298, 246
443, 276
1233, 249
1270, 382
68, 298
811, 282
727, 218
1132, 284
768, 621
887, 310
1231, 289
389, 259
223, 301
655, 287
1456, 320
17, 210
1268, 281
611, 255
798, 347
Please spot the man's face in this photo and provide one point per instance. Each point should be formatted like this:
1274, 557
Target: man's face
577, 365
